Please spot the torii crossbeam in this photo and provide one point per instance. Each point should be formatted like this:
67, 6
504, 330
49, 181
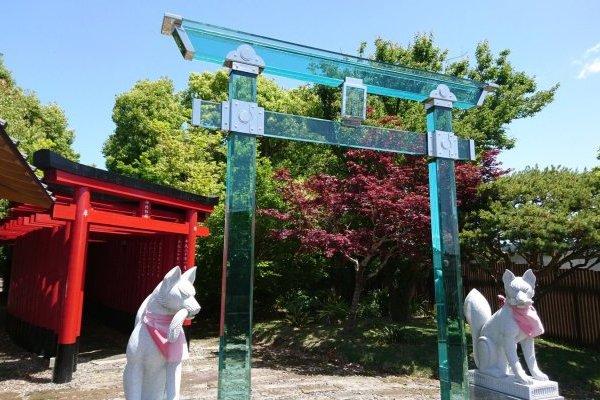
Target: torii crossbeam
248, 55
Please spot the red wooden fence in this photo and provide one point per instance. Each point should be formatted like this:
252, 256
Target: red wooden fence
33, 297
35, 282
570, 311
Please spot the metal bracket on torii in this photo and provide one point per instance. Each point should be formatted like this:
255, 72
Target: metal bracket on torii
442, 144
236, 115
242, 117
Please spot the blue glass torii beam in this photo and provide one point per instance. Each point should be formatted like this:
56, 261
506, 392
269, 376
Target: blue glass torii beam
309, 64
439, 92
208, 114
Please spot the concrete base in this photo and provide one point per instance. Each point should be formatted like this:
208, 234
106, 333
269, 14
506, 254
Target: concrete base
488, 387
481, 393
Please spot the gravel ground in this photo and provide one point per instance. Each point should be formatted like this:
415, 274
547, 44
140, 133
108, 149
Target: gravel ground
98, 377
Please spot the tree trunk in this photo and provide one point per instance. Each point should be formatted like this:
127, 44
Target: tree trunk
402, 286
401, 297
359, 284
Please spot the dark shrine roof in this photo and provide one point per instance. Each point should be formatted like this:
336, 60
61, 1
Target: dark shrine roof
48, 160
17, 180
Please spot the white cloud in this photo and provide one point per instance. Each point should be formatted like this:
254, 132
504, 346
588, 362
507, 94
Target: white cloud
592, 50
589, 68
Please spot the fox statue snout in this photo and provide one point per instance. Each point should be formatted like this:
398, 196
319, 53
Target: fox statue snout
157, 344
495, 336
192, 307
176, 292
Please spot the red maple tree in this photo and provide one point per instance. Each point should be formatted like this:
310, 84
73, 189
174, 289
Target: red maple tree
376, 211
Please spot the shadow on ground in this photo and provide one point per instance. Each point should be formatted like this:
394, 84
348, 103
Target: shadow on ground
97, 342
16, 363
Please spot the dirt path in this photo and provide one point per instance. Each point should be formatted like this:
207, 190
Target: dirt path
25, 376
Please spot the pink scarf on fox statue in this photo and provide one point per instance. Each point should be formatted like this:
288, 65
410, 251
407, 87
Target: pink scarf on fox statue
158, 328
527, 319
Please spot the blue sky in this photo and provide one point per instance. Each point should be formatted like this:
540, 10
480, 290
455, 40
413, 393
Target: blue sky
82, 54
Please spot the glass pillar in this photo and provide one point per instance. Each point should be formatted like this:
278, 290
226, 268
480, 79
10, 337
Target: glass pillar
235, 345
452, 353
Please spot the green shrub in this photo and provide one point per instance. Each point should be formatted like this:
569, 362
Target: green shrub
333, 310
298, 307
402, 334
420, 307
373, 304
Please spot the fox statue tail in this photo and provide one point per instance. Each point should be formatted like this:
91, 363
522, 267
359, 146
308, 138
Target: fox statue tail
477, 312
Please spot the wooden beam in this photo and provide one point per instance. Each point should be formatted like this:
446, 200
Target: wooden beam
125, 221
66, 212
45, 219
118, 231
202, 231
66, 178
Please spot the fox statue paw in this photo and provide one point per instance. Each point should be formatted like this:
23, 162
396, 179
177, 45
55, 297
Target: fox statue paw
176, 326
525, 379
539, 375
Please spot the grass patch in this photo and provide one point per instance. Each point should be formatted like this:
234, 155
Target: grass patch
577, 370
374, 347
381, 347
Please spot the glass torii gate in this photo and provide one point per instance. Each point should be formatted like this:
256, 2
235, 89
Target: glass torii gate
248, 55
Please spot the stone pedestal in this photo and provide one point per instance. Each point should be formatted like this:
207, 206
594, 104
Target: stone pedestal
491, 388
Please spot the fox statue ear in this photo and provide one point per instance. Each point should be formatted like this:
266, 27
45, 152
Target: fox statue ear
190, 275
529, 277
173, 275
507, 277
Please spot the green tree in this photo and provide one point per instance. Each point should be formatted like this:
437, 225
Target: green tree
517, 97
35, 125
550, 217
151, 141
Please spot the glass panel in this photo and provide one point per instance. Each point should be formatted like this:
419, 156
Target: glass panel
446, 268
464, 149
316, 130
354, 102
235, 346
212, 43
210, 114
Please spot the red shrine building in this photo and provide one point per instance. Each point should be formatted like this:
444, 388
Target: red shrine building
81, 232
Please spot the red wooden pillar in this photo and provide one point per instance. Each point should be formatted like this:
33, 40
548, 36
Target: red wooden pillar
70, 315
192, 220
191, 217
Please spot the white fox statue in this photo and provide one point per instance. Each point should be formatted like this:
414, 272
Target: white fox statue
495, 337
157, 345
